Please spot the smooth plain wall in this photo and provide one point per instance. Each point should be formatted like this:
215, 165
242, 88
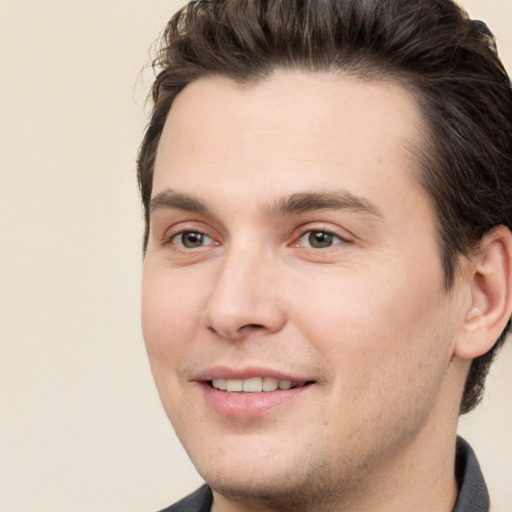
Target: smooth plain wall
81, 426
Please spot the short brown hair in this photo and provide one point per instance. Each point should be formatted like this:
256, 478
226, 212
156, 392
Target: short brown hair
432, 47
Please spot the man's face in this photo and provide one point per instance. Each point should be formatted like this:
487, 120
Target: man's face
291, 246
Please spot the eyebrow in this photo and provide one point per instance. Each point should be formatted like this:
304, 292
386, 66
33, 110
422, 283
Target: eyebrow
301, 202
310, 201
169, 199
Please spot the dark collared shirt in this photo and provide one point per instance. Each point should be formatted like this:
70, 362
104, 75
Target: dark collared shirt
473, 494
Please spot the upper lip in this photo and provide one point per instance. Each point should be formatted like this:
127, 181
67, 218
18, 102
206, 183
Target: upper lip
230, 373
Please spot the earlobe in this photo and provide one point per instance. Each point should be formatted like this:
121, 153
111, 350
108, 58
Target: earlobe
490, 285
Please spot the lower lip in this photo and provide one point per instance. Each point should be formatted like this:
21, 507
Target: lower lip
249, 404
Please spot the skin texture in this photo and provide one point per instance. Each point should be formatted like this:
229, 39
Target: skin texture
366, 319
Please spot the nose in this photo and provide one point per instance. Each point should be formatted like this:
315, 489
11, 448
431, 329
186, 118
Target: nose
245, 297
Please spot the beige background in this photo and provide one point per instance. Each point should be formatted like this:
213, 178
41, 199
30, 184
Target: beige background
81, 427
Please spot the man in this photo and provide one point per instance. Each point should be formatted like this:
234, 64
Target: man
328, 260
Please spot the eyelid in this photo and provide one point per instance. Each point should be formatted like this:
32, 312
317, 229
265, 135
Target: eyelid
345, 237
172, 240
181, 227
305, 242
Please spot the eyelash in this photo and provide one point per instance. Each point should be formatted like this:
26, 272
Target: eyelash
173, 237
333, 239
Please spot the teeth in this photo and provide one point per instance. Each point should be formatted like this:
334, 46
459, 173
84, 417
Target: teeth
219, 384
270, 384
234, 385
253, 385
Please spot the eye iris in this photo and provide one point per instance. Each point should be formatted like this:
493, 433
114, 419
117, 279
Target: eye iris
320, 239
190, 239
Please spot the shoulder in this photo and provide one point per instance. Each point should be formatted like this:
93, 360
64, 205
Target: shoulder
199, 501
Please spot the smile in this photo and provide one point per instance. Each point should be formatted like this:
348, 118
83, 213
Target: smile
254, 396
254, 385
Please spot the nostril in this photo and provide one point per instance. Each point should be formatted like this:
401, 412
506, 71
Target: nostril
240, 333
250, 328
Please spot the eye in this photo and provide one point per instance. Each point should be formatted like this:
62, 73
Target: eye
191, 239
318, 240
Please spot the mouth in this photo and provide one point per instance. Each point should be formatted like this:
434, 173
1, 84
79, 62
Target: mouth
255, 385
250, 392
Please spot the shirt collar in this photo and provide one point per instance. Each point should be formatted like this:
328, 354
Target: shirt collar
473, 493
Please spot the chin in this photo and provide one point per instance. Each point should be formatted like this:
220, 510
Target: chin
273, 488
244, 471
252, 484
265, 472
255, 486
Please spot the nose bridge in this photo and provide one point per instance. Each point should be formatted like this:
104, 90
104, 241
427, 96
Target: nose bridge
244, 297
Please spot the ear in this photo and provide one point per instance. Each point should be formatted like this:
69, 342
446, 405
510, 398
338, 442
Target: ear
489, 278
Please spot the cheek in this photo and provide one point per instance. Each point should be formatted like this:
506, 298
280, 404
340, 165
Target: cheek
170, 316
376, 331
386, 354
170, 319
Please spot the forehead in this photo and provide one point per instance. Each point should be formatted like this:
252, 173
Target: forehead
290, 126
